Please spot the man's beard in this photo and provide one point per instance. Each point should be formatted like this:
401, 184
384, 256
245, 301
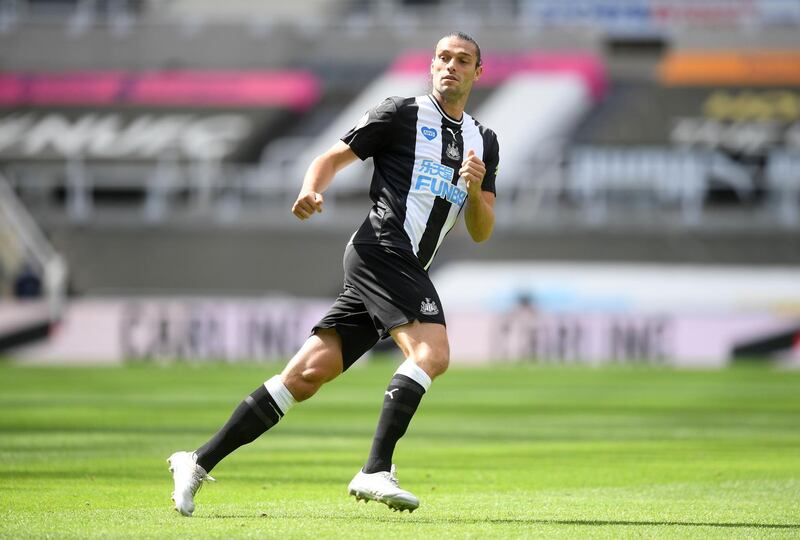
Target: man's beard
448, 95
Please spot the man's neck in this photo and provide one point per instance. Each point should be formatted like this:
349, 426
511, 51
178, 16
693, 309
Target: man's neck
453, 107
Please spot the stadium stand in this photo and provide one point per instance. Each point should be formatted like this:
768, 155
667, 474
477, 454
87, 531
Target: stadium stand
609, 151
33, 279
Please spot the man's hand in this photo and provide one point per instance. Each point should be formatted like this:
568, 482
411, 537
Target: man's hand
307, 204
473, 170
318, 177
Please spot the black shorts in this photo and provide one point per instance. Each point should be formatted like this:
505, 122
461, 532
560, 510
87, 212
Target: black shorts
384, 287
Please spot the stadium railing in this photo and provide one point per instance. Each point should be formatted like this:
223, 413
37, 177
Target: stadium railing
34, 248
593, 186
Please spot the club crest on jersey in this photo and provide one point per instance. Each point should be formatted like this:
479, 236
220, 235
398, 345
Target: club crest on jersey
452, 151
428, 307
429, 132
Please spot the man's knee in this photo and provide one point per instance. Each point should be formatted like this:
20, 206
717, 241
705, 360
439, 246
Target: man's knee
426, 344
434, 358
318, 361
304, 383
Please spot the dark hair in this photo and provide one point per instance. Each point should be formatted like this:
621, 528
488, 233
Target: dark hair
467, 37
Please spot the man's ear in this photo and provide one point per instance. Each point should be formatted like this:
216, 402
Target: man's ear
478, 72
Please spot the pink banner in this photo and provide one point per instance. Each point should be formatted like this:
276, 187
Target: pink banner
72, 88
297, 90
12, 89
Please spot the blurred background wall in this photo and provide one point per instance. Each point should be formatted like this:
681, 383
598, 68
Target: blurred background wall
150, 152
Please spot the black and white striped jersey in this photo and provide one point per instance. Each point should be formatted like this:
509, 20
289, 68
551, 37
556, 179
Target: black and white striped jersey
417, 150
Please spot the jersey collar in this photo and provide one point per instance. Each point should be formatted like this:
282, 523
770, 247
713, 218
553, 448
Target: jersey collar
441, 111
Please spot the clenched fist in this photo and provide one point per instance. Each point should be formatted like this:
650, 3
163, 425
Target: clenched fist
473, 170
307, 204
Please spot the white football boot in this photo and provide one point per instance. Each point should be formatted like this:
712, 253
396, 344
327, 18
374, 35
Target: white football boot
382, 486
188, 477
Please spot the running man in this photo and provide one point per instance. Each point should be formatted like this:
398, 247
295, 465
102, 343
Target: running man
432, 160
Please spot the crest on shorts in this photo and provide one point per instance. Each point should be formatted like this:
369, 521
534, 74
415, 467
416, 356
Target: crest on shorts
452, 151
429, 307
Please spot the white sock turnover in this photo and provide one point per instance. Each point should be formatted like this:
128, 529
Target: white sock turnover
410, 369
282, 396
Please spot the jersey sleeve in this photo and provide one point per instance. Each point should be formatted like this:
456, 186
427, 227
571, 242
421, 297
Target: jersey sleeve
492, 163
372, 132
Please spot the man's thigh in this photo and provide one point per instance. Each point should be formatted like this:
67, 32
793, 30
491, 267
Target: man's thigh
349, 319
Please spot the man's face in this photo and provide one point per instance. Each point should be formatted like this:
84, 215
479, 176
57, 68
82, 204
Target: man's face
453, 67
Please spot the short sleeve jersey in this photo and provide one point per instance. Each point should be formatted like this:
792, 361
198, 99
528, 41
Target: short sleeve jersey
417, 150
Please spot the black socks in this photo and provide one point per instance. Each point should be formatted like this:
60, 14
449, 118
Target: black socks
399, 405
255, 415
260, 411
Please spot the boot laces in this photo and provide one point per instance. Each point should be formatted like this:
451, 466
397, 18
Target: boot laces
199, 475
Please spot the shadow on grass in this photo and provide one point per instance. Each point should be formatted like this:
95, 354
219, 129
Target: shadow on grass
511, 521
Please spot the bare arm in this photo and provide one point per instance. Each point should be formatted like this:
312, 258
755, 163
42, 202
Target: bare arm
479, 216
319, 176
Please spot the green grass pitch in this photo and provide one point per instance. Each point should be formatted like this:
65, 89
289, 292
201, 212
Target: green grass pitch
502, 452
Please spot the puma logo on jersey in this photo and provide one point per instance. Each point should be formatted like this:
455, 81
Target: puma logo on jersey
391, 392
